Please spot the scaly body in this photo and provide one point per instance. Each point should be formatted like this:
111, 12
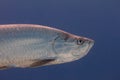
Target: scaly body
27, 45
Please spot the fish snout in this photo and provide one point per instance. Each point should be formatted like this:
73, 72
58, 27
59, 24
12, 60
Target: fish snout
90, 42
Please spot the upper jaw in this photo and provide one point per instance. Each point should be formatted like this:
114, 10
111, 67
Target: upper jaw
90, 45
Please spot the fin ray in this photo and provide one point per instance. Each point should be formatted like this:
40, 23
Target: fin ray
4, 67
41, 63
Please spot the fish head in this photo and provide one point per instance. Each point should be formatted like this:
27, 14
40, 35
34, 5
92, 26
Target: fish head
82, 47
71, 48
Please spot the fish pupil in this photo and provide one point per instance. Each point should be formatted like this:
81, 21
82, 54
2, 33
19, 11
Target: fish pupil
80, 41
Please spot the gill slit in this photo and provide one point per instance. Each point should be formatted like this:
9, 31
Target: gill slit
53, 44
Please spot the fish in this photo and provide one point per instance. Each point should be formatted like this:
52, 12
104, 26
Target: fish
32, 45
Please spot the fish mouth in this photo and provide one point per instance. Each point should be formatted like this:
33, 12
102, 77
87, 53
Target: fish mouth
90, 45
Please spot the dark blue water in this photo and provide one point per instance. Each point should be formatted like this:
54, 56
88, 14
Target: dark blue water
96, 19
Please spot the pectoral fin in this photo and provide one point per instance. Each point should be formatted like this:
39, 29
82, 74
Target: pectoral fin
4, 67
38, 63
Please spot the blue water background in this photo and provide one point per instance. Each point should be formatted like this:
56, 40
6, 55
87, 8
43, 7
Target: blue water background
96, 19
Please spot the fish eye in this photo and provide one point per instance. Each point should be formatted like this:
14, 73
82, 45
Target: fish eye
80, 42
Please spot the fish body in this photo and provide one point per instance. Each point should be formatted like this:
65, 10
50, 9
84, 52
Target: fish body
28, 45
